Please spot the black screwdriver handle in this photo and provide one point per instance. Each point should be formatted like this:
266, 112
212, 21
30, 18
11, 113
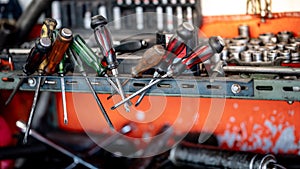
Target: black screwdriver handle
36, 55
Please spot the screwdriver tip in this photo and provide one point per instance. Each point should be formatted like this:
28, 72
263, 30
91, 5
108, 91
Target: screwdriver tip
113, 107
25, 140
6, 103
65, 121
137, 104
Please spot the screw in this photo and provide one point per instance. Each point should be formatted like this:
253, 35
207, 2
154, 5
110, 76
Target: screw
31, 82
236, 88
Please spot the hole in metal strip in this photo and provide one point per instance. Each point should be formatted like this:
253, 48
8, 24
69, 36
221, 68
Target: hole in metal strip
266, 88
164, 85
50, 82
188, 86
95, 83
71, 82
291, 88
139, 84
8, 79
244, 87
213, 87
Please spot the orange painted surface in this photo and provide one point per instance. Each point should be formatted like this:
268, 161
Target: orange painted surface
227, 26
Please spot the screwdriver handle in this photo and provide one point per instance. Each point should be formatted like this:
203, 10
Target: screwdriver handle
75, 59
87, 55
61, 66
176, 45
150, 58
59, 48
36, 55
48, 27
104, 40
201, 53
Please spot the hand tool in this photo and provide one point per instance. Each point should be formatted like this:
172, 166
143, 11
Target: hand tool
61, 72
36, 135
37, 54
35, 57
175, 46
90, 58
76, 59
200, 156
170, 24
150, 58
47, 31
201, 53
104, 40
217, 70
139, 17
48, 27
59, 47
130, 46
160, 18
117, 17
126, 129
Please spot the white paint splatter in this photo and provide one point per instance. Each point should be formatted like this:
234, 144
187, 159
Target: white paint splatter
286, 141
291, 112
256, 108
232, 119
272, 127
235, 105
228, 138
267, 144
140, 115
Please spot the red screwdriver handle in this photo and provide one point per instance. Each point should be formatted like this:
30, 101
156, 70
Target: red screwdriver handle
175, 46
200, 54
104, 40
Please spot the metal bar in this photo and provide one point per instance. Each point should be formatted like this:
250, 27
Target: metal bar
263, 70
42, 139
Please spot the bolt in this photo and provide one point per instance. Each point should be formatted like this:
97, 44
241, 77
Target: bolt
235, 88
31, 82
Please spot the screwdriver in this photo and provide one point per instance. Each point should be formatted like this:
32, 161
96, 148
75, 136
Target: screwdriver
48, 27
75, 58
43, 45
35, 57
104, 40
80, 51
59, 47
201, 53
61, 72
150, 58
90, 58
175, 46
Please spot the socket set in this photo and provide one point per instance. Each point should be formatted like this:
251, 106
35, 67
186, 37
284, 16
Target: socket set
162, 15
270, 49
